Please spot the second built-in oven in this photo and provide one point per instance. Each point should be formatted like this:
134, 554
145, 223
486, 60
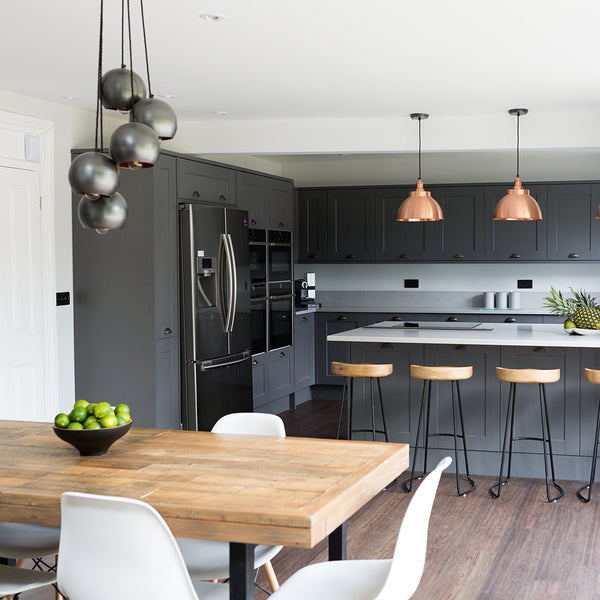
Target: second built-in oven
281, 259
280, 315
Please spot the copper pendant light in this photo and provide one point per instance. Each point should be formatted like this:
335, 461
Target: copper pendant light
518, 204
420, 204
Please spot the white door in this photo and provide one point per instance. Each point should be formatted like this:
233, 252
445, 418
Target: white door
21, 300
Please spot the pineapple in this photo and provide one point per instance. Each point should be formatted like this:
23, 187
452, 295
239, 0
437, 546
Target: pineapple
582, 308
587, 317
559, 305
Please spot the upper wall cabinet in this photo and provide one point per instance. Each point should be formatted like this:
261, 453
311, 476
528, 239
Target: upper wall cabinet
515, 240
395, 240
280, 204
573, 231
460, 235
202, 182
351, 224
311, 226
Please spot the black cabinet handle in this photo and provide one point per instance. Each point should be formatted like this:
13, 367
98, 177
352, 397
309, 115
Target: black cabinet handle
540, 349
281, 225
167, 331
462, 348
281, 354
397, 319
458, 256
515, 255
510, 320
404, 255
451, 319
573, 255
350, 256
222, 198
253, 222
342, 318
254, 363
195, 194
387, 346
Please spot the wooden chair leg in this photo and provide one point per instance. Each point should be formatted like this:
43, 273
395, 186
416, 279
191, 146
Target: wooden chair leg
270, 573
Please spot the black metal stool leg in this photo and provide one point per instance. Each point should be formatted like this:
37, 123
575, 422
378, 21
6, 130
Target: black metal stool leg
407, 485
463, 437
546, 438
345, 383
593, 468
510, 414
385, 433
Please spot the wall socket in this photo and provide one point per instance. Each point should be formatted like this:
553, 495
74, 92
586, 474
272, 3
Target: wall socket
63, 298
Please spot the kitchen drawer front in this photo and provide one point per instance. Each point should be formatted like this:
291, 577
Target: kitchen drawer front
510, 318
200, 182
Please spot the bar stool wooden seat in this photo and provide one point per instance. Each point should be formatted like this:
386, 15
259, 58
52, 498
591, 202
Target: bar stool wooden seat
349, 372
541, 377
453, 375
592, 376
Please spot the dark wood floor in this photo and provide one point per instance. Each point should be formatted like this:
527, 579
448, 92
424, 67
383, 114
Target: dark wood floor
516, 548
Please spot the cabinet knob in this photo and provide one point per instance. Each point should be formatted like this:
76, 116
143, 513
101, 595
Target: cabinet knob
350, 256
462, 348
387, 346
515, 255
313, 256
540, 349
404, 255
342, 318
195, 194
573, 255
282, 355
510, 320
254, 363
167, 331
281, 225
253, 222
396, 318
222, 198
305, 318
452, 319
459, 256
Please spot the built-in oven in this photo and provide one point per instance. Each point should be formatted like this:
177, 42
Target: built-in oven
258, 262
280, 314
258, 309
280, 263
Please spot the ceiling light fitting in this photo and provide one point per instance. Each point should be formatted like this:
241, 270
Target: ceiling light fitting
518, 204
420, 204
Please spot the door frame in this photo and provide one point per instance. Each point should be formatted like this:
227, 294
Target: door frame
44, 130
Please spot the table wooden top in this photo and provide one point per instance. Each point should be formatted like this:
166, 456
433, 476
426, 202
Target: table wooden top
239, 488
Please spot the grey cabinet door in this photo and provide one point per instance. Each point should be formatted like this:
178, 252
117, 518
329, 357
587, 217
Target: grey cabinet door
562, 397
304, 351
201, 182
251, 196
168, 407
260, 380
281, 372
395, 240
351, 224
480, 395
311, 226
327, 352
590, 400
514, 240
460, 235
280, 204
573, 231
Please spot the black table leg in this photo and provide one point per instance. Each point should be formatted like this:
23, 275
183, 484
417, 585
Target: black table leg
241, 571
337, 543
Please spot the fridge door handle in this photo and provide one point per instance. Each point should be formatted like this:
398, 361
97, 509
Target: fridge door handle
233, 289
221, 284
206, 365
230, 284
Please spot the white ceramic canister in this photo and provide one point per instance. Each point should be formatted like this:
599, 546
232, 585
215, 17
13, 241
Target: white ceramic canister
501, 299
488, 299
514, 300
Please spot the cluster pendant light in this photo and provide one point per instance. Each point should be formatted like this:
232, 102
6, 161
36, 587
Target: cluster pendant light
518, 204
420, 204
134, 145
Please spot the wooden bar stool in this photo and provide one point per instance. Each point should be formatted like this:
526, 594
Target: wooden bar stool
349, 372
593, 376
541, 377
453, 375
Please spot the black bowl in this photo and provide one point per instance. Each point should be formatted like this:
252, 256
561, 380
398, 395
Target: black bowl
92, 442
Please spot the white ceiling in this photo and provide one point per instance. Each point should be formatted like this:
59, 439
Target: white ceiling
315, 61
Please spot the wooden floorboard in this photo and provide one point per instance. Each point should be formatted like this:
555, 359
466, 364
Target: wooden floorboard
518, 547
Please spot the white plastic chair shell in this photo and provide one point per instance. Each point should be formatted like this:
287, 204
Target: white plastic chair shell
121, 548
15, 581
208, 559
390, 579
20, 540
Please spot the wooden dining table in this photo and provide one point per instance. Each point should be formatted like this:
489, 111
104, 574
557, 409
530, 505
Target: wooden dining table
243, 489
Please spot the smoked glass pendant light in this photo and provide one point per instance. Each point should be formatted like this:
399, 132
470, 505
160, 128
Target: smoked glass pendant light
420, 204
518, 204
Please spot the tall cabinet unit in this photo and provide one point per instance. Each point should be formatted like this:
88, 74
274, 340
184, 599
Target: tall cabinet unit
125, 296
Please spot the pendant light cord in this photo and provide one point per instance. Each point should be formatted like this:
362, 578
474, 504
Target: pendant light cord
122, 34
150, 94
99, 86
419, 147
130, 49
518, 117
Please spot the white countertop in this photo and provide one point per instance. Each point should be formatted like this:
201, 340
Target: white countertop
434, 310
501, 334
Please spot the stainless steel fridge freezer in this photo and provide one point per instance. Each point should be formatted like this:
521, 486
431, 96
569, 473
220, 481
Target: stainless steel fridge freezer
215, 314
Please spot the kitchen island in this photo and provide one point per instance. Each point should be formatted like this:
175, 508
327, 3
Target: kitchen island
572, 401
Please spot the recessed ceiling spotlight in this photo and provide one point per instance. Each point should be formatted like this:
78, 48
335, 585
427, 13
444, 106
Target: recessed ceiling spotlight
219, 113
212, 18
167, 95
71, 97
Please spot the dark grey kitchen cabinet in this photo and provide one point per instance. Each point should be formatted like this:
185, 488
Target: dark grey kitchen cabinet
515, 240
351, 224
203, 182
125, 301
280, 203
459, 236
562, 396
590, 398
311, 226
395, 240
281, 372
327, 352
480, 395
304, 351
251, 196
573, 231
260, 380
516, 318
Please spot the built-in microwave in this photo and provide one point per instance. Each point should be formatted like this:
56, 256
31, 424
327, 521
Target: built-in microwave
258, 262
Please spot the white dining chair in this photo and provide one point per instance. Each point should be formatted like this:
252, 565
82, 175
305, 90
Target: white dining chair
121, 548
14, 580
22, 541
209, 559
389, 579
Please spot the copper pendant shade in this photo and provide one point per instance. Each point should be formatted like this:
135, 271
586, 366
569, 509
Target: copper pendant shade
518, 204
420, 204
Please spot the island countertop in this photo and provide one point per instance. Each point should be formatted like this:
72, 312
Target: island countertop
485, 334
